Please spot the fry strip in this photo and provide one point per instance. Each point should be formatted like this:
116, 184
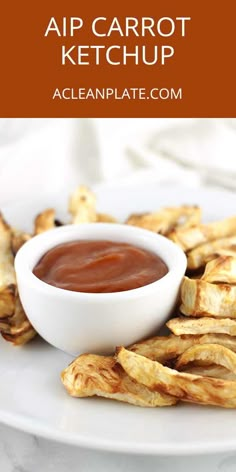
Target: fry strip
20, 339
166, 219
208, 354
215, 371
206, 252
222, 269
180, 326
14, 325
189, 238
104, 218
186, 387
17, 328
82, 206
91, 375
18, 239
7, 272
44, 221
200, 298
167, 348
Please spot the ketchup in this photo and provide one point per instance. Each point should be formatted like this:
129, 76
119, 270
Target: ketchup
99, 267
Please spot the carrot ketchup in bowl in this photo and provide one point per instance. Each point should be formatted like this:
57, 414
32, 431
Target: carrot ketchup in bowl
91, 287
99, 266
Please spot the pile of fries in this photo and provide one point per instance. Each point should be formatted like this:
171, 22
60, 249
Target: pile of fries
196, 362
14, 324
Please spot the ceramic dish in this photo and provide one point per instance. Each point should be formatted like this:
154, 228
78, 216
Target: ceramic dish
33, 399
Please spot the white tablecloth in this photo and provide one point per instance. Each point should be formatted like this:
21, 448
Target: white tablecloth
50, 155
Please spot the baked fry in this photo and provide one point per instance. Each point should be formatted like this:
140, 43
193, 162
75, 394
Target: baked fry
17, 328
205, 325
104, 218
222, 269
200, 298
82, 206
167, 348
166, 219
14, 325
20, 339
208, 354
44, 221
186, 387
91, 375
189, 238
7, 272
215, 371
18, 239
199, 256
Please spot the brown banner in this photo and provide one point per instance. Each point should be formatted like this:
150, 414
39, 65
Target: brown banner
118, 59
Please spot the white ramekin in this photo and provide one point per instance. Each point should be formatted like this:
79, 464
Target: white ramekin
79, 322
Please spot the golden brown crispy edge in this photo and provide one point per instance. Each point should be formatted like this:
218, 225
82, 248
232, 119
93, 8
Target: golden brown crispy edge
186, 387
93, 375
200, 298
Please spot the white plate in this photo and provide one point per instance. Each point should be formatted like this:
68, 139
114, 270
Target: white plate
33, 399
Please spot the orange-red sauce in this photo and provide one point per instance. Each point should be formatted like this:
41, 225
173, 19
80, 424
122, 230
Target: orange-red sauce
99, 267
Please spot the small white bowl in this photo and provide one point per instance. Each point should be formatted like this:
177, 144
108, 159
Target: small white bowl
79, 322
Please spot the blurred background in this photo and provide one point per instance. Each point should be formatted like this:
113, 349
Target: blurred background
48, 155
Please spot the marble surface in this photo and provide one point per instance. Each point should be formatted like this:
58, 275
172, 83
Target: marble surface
21, 452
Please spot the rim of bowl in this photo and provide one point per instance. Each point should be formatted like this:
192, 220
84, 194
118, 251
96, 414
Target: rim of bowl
22, 262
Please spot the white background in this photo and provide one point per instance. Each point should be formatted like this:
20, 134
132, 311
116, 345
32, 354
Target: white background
51, 154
